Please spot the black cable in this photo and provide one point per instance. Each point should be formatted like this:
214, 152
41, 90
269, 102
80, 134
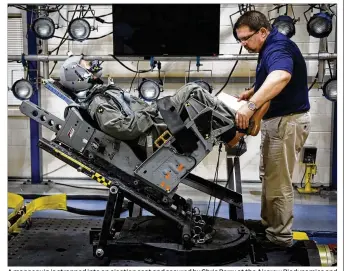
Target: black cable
241, 144
69, 197
57, 8
81, 13
62, 16
189, 72
58, 46
143, 71
21, 7
85, 212
101, 36
332, 10
132, 81
329, 67
159, 76
99, 16
315, 79
93, 14
58, 49
89, 9
230, 74
81, 187
98, 19
159, 69
63, 40
55, 63
78, 211
95, 38
303, 177
215, 177
26, 9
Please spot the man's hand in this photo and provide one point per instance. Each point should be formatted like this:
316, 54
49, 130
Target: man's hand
246, 95
243, 116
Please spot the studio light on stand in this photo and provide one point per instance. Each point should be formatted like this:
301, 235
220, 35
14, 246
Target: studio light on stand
330, 90
149, 90
242, 8
283, 23
320, 25
44, 27
22, 89
79, 29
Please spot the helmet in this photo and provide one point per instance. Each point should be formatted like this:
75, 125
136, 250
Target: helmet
76, 77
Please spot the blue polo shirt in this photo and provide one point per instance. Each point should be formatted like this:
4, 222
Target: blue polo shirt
280, 53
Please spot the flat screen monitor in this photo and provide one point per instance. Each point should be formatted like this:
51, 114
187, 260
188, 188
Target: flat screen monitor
166, 29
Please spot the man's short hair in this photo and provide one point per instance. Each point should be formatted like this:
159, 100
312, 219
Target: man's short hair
255, 20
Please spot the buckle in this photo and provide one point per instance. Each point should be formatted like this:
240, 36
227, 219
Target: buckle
162, 139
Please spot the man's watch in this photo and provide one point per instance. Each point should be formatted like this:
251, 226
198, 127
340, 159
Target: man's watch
252, 106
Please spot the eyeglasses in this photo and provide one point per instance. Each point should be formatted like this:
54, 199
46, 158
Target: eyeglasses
245, 39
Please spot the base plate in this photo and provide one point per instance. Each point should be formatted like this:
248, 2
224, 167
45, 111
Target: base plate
157, 240
65, 242
54, 242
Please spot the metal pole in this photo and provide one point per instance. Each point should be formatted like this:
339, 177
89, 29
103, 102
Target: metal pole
45, 49
313, 56
35, 128
45, 63
333, 183
322, 62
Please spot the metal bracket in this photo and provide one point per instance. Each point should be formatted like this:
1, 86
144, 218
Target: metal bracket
41, 116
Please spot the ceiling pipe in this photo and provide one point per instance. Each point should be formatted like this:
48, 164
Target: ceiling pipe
310, 56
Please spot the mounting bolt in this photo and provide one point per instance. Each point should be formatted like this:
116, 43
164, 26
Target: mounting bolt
99, 252
242, 229
113, 189
186, 237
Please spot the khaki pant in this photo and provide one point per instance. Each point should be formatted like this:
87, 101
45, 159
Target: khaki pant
282, 141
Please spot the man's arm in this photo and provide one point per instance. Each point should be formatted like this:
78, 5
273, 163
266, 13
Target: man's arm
246, 95
272, 86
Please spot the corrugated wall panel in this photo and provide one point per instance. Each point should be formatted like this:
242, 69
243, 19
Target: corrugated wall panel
15, 46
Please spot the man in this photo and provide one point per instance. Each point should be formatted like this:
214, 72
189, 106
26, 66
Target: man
281, 79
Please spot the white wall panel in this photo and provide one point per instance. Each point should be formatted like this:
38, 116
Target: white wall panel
15, 71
